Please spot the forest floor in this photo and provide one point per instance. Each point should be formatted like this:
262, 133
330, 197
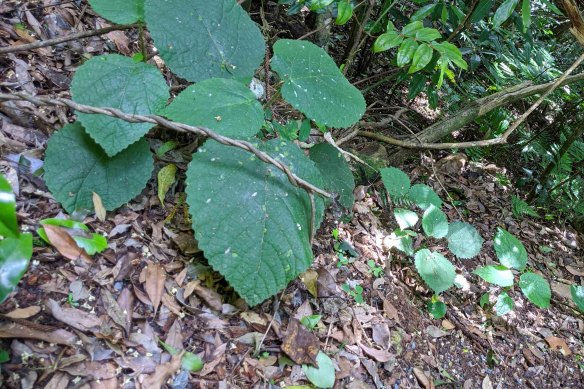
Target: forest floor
102, 323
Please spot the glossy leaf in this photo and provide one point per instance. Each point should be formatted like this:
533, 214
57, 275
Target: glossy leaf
335, 172
498, 275
464, 240
201, 39
8, 223
510, 250
437, 271
315, 86
412, 28
428, 34
526, 14
92, 245
577, 293
15, 253
504, 304
120, 12
387, 41
75, 167
421, 58
344, 12
536, 289
406, 52
504, 12
423, 12
481, 11
118, 82
251, 223
225, 106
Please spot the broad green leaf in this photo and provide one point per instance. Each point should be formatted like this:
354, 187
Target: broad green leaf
424, 196
434, 222
498, 275
405, 218
314, 85
510, 250
411, 29
75, 167
481, 10
15, 252
406, 52
484, 299
344, 12
427, 34
464, 240
577, 293
200, 39
435, 270
421, 58
316, 5
8, 223
191, 362
417, 84
118, 82
423, 12
536, 289
166, 178
4, 356
120, 12
93, 245
387, 41
452, 53
504, 12
552, 7
335, 171
225, 106
504, 304
436, 308
526, 14
396, 182
401, 240
322, 376
67, 223
252, 224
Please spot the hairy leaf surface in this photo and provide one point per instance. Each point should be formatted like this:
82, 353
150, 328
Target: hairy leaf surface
119, 82
437, 271
464, 240
315, 86
434, 222
252, 224
200, 39
335, 172
120, 12
75, 167
225, 106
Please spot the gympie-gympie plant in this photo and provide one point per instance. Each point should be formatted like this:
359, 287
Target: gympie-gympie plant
253, 225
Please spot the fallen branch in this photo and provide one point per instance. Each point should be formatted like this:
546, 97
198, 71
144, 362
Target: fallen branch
180, 127
66, 38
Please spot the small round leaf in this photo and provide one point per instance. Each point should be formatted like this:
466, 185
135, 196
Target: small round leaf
396, 182
536, 289
464, 240
510, 250
322, 376
437, 271
434, 222
424, 196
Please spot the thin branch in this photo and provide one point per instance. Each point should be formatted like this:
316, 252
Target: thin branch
481, 143
66, 38
180, 127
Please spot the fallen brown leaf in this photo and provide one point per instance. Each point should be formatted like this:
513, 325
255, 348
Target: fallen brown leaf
301, 345
209, 296
64, 243
163, 373
96, 370
423, 378
309, 279
24, 313
20, 331
155, 276
378, 355
114, 310
558, 344
73, 317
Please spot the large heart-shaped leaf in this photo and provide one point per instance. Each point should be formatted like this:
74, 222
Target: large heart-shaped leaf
335, 172
200, 39
76, 167
121, 12
118, 82
510, 250
8, 225
314, 85
225, 106
437, 271
14, 256
252, 224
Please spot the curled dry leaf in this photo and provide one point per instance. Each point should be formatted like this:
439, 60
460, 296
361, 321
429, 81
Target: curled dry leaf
73, 317
558, 344
24, 313
155, 276
301, 345
378, 355
64, 243
209, 296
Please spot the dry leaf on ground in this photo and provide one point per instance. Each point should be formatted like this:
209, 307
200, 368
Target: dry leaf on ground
155, 276
301, 345
64, 243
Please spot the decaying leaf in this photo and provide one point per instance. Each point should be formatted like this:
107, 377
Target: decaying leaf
163, 373
155, 275
20, 331
309, 279
98, 206
301, 345
113, 309
24, 313
378, 355
166, 177
64, 243
423, 378
74, 317
558, 344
